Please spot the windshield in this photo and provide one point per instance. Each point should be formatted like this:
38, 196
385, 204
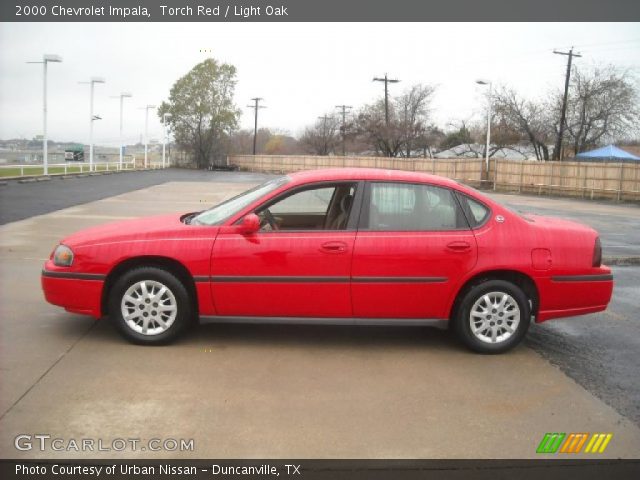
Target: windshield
226, 209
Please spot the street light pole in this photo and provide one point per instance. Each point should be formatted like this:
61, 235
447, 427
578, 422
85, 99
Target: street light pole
164, 136
45, 147
486, 148
92, 117
122, 96
146, 134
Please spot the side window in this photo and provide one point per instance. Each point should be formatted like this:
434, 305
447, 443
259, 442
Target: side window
476, 212
322, 208
308, 201
413, 207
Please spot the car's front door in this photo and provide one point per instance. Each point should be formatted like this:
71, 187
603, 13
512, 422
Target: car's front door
298, 264
413, 243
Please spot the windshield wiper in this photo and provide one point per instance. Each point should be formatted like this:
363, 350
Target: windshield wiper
188, 220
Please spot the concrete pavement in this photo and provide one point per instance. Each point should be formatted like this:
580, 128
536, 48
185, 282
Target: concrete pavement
265, 391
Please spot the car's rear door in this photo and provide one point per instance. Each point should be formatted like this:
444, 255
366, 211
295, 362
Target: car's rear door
413, 243
300, 269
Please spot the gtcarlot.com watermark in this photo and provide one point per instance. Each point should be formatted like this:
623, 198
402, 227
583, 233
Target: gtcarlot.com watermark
48, 443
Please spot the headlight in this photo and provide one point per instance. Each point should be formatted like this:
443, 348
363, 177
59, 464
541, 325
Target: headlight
62, 256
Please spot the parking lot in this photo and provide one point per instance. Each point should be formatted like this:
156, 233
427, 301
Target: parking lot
299, 391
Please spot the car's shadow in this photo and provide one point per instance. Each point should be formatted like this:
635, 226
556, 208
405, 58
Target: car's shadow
320, 336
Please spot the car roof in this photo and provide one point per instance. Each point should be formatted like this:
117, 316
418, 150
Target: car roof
332, 174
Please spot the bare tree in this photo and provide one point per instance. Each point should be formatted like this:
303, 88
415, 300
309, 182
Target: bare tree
530, 119
241, 141
371, 126
602, 106
323, 137
408, 122
413, 106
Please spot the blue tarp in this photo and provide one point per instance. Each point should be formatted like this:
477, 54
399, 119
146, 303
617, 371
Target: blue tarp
610, 152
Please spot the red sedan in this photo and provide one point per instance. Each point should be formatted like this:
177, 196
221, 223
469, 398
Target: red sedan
343, 246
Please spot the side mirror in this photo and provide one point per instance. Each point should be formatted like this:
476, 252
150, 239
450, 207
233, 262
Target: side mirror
249, 224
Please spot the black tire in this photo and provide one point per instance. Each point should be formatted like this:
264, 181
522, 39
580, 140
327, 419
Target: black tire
156, 333
462, 317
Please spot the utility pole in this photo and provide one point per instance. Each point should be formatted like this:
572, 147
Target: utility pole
324, 119
256, 106
344, 109
386, 81
563, 115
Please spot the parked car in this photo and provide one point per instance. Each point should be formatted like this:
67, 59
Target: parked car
340, 246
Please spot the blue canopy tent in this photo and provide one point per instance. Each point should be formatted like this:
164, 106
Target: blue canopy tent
609, 153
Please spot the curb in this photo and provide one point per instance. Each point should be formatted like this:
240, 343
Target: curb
621, 261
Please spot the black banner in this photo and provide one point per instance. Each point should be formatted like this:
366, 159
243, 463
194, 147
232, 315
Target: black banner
317, 10
320, 469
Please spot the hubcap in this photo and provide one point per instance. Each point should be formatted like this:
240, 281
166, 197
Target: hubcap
149, 307
494, 317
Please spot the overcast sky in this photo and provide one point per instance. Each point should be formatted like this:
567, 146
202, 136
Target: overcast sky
302, 70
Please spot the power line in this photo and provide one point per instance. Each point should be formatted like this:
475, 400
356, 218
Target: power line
386, 81
631, 40
344, 109
256, 106
563, 115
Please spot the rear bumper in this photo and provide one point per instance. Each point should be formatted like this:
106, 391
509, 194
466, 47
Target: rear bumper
572, 295
76, 293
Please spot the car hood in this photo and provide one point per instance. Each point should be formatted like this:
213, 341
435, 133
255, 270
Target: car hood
145, 228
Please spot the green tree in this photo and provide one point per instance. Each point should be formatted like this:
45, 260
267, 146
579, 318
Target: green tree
201, 112
459, 137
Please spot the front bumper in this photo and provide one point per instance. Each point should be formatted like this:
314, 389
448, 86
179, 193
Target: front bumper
75, 292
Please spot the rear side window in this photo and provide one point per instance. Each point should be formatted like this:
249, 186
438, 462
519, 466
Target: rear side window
412, 207
476, 212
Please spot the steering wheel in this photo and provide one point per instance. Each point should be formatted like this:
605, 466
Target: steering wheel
271, 220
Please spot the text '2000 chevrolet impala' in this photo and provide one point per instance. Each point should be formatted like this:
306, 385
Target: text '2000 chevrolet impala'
342, 246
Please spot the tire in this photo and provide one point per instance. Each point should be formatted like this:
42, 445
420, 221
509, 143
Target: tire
145, 321
494, 330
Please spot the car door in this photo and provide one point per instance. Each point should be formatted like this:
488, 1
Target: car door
297, 264
412, 244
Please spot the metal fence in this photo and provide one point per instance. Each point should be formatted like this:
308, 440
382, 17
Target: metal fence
66, 168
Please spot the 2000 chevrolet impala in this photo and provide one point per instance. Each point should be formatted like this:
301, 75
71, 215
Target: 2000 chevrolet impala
336, 246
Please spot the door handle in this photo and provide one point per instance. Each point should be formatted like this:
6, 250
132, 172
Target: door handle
459, 246
333, 247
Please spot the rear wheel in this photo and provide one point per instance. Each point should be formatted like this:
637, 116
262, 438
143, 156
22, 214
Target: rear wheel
150, 305
492, 317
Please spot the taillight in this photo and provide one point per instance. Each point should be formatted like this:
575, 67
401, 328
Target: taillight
597, 253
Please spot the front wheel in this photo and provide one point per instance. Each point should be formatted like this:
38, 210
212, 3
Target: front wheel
149, 305
492, 317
